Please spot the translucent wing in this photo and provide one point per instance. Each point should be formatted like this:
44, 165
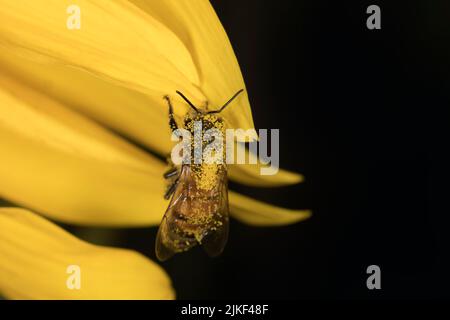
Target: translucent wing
170, 238
194, 216
216, 238
163, 252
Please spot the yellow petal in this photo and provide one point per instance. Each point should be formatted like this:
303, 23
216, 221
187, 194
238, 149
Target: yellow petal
36, 255
32, 114
135, 115
116, 41
126, 111
199, 28
70, 169
256, 213
172, 45
250, 174
61, 164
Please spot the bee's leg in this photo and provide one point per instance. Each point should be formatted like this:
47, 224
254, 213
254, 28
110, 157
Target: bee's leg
171, 176
171, 190
172, 123
172, 172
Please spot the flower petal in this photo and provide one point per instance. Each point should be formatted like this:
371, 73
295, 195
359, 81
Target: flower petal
34, 115
61, 164
198, 27
35, 255
124, 110
116, 41
256, 213
67, 167
174, 45
250, 174
136, 115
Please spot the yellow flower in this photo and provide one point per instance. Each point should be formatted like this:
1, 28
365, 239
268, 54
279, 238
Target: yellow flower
36, 255
67, 100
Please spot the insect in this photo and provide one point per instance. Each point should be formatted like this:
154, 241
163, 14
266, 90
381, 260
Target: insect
198, 209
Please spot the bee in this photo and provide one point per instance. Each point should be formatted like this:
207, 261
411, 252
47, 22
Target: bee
198, 209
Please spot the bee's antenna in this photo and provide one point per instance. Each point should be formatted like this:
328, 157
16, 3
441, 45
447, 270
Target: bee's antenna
187, 100
227, 103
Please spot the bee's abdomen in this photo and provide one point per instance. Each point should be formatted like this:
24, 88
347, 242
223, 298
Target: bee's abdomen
187, 229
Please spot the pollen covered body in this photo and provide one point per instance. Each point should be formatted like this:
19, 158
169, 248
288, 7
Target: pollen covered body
195, 216
198, 210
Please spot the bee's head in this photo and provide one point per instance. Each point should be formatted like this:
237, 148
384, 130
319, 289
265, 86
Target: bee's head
208, 121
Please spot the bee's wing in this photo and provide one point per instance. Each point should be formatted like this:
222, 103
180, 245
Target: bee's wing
167, 236
214, 242
176, 236
163, 252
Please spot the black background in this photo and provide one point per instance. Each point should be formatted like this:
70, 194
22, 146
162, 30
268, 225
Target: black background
362, 114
